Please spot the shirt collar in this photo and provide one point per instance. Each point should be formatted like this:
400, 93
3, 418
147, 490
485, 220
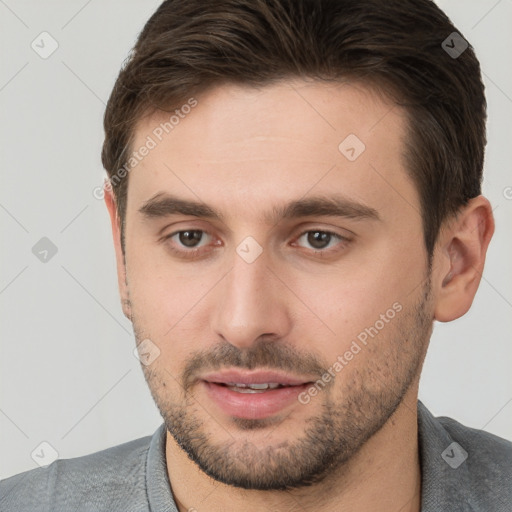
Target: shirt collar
443, 486
157, 480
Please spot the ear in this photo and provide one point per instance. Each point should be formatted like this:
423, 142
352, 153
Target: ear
120, 259
460, 255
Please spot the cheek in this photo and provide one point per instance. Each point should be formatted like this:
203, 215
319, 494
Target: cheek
360, 296
158, 288
167, 307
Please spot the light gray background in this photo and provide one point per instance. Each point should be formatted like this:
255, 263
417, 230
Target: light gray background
68, 373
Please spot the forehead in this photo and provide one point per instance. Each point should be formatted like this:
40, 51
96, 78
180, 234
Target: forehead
240, 146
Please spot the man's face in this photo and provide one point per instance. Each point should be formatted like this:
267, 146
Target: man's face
257, 297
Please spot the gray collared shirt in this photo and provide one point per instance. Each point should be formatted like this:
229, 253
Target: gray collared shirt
462, 470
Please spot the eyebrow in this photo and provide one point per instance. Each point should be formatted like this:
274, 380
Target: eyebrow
163, 205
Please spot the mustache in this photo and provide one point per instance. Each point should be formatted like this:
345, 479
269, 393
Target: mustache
271, 355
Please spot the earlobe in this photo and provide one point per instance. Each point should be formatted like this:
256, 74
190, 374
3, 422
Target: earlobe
460, 259
111, 205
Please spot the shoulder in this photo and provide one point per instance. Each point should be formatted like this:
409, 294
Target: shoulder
483, 448
463, 465
104, 480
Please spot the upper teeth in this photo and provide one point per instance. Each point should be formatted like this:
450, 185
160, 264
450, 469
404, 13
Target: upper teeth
266, 385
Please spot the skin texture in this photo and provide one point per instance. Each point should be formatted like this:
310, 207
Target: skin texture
297, 306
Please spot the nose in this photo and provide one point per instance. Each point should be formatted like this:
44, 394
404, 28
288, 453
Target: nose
250, 302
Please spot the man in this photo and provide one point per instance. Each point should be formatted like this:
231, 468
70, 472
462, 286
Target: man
294, 189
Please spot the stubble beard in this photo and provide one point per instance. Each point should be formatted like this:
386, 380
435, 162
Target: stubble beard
329, 440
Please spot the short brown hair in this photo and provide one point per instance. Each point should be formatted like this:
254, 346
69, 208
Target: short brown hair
188, 46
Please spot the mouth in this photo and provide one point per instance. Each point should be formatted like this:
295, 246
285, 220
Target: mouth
239, 387
253, 395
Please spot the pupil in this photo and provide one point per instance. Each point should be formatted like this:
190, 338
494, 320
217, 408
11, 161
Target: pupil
189, 238
319, 239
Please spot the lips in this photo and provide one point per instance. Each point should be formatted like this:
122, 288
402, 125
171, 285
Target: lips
253, 395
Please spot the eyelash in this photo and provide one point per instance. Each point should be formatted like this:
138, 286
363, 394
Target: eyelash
196, 252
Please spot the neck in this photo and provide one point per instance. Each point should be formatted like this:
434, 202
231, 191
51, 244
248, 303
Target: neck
384, 475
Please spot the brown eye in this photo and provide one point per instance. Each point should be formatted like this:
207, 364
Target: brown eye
190, 238
188, 242
319, 240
